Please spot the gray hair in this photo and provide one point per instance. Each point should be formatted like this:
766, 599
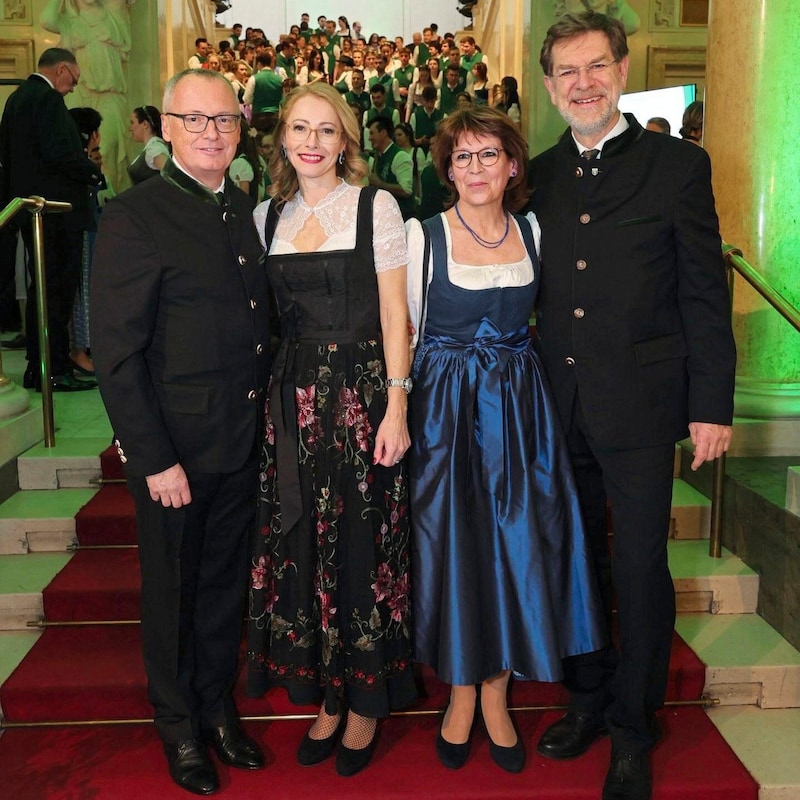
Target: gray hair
203, 74
56, 55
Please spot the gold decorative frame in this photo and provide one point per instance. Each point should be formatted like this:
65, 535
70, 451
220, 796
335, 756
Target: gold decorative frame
672, 66
16, 58
15, 12
694, 13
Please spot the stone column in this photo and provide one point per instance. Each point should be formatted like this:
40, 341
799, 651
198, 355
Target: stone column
752, 133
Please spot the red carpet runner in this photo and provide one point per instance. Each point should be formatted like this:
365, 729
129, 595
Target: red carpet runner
95, 672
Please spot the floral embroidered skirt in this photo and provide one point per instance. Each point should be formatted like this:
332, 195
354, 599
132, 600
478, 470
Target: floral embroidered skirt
329, 614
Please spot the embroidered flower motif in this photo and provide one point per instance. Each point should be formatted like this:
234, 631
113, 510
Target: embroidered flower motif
383, 585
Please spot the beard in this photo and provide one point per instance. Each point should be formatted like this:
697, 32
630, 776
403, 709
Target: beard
586, 126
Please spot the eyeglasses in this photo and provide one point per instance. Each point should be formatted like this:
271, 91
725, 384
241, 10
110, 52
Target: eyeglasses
461, 159
592, 70
71, 74
326, 134
197, 123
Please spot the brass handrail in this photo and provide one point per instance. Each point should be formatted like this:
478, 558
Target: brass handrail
736, 262
38, 206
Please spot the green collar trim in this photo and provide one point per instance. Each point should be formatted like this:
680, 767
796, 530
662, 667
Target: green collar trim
172, 174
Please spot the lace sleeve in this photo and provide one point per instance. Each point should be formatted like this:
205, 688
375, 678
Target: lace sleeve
388, 234
260, 218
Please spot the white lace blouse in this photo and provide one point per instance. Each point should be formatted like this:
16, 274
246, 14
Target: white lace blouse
475, 278
337, 215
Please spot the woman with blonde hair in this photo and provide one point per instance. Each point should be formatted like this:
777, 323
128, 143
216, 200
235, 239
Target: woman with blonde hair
329, 595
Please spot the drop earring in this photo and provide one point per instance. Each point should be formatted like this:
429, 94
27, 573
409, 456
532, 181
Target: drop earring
341, 158
284, 155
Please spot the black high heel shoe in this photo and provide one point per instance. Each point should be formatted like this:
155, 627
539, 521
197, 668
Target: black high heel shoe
511, 759
350, 762
454, 756
315, 751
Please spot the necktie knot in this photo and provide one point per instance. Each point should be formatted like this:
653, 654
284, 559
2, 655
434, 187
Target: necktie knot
590, 155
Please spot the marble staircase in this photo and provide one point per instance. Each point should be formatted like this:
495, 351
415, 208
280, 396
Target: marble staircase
752, 675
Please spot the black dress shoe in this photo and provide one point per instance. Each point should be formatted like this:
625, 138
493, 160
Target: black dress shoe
19, 342
69, 383
350, 762
235, 748
572, 735
190, 767
629, 777
315, 751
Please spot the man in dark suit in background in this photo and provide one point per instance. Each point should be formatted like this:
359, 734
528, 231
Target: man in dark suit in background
634, 332
179, 316
42, 154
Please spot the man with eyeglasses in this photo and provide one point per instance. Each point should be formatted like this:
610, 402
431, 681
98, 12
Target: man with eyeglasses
42, 154
180, 326
634, 332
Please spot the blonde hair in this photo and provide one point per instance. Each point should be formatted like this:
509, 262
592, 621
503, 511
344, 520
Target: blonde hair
353, 168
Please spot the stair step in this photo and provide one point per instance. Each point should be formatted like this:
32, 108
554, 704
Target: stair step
691, 763
96, 672
41, 520
74, 463
717, 585
767, 743
14, 646
22, 580
691, 512
747, 661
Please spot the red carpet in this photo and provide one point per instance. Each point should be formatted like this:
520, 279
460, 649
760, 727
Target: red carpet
691, 763
96, 672
84, 673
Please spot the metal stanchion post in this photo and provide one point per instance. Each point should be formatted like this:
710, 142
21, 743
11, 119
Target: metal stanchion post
44, 337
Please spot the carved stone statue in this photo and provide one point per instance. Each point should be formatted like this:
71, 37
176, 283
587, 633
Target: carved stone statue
98, 32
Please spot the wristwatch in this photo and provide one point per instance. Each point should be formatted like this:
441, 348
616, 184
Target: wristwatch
403, 383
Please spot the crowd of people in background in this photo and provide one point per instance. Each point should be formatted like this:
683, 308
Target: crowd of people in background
413, 85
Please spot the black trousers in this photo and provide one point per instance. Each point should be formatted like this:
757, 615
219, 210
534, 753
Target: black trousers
627, 684
194, 563
63, 250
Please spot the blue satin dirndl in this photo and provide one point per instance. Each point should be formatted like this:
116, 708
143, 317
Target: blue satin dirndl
502, 572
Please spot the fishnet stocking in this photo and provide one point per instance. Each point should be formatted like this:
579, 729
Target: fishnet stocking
325, 725
359, 731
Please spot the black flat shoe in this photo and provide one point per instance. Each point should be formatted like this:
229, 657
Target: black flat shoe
234, 747
190, 767
315, 751
350, 762
572, 735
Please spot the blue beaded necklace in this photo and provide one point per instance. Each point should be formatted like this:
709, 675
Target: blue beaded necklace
481, 241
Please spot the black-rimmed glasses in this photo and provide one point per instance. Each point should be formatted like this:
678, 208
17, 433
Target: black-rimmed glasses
487, 157
197, 123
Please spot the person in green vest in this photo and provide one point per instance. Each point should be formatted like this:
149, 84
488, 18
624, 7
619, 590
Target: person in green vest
343, 75
422, 52
385, 79
390, 167
379, 108
470, 56
357, 95
452, 86
404, 75
264, 92
425, 118
285, 58
454, 60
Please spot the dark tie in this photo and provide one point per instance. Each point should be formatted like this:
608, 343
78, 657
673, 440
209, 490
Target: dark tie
590, 155
221, 197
